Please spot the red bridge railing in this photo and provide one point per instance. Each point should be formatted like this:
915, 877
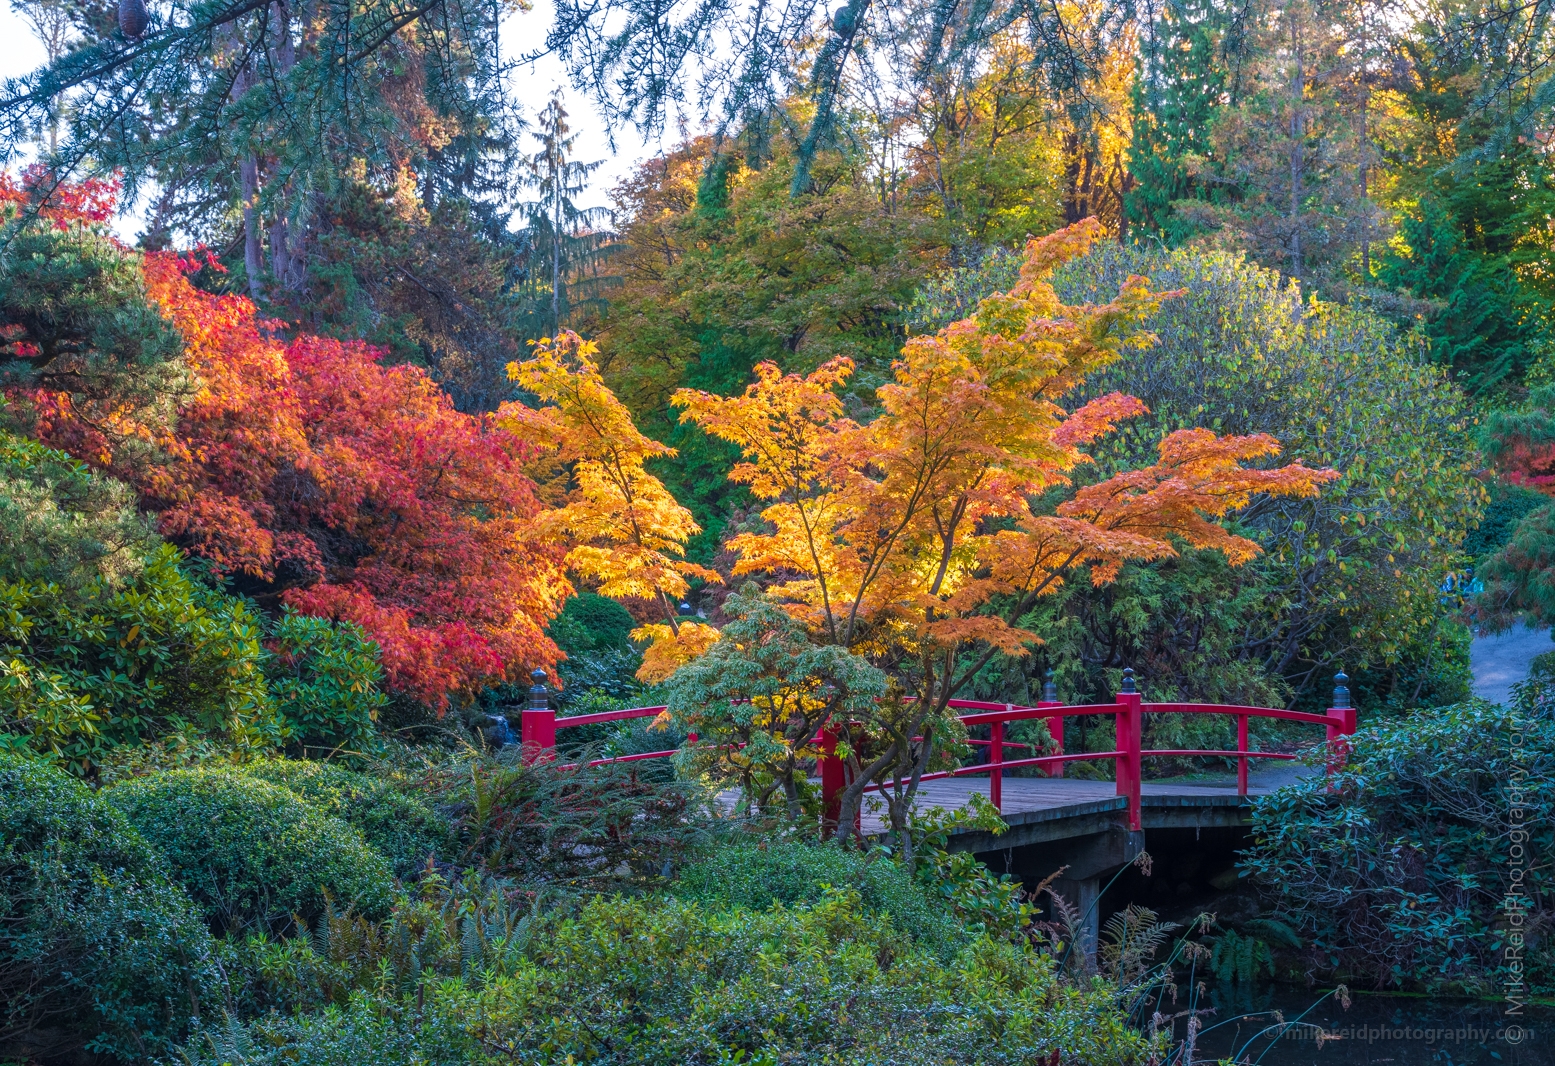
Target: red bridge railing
1127, 710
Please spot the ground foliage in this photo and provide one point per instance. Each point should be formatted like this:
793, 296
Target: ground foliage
648, 981
99, 946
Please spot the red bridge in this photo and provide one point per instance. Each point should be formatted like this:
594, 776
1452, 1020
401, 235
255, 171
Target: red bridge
1087, 830
1051, 798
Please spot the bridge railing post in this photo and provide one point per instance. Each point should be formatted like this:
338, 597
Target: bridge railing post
832, 782
1055, 723
1241, 746
1341, 724
995, 758
537, 728
1129, 738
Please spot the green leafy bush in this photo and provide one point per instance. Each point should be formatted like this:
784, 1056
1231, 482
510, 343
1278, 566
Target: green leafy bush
82, 674
98, 948
755, 876
251, 853
1397, 870
400, 824
642, 981
326, 681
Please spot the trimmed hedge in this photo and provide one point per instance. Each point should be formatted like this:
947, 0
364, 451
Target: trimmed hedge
252, 854
98, 949
403, 827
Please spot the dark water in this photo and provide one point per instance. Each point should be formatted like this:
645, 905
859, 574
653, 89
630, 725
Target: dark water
1375, 1030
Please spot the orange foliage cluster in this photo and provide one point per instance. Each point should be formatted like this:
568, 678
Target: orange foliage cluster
352, 490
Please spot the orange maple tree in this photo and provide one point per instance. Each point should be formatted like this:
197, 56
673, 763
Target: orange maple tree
912, 541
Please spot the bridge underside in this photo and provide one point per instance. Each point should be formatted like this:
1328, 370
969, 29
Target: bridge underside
1083, 826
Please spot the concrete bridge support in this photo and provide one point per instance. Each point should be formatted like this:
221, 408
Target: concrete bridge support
1091, 862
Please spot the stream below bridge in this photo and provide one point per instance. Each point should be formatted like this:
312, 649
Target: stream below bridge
1374, 1030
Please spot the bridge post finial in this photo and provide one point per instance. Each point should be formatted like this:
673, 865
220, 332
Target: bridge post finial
1049, 689
1341, 690
538, 727
1128, 680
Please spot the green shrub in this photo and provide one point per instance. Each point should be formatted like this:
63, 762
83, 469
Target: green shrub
601, 662
85, 672
644, 981
62, 524
756, 876
326, 681
1396, 870
253, 854
1509, 505
97, 947
589, 621
402, 826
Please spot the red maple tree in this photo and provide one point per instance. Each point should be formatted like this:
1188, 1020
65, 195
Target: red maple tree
313, 474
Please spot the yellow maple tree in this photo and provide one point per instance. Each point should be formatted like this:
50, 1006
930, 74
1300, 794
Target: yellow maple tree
625, 532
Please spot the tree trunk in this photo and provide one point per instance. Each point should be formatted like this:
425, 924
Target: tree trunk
1297, 146
253, 254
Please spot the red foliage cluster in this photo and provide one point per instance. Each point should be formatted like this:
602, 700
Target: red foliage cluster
1530, 464
1520, 442
91, 200
350, 489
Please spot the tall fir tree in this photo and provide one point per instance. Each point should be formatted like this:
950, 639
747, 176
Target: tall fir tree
1182, 83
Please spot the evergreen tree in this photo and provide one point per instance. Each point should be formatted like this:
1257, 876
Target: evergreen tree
1473, 233
250, 117
1290, 144
1180, 88
561, 240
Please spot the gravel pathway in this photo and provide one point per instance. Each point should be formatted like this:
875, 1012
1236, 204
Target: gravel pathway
1500, 662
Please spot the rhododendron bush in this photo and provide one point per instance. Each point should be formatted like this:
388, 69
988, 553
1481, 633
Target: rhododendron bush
309, 472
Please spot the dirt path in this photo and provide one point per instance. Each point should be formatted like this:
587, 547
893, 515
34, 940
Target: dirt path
1502, 661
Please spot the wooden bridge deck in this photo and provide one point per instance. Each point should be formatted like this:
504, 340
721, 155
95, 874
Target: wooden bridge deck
1045, 809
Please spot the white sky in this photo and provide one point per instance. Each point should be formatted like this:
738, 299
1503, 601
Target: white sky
533, 84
